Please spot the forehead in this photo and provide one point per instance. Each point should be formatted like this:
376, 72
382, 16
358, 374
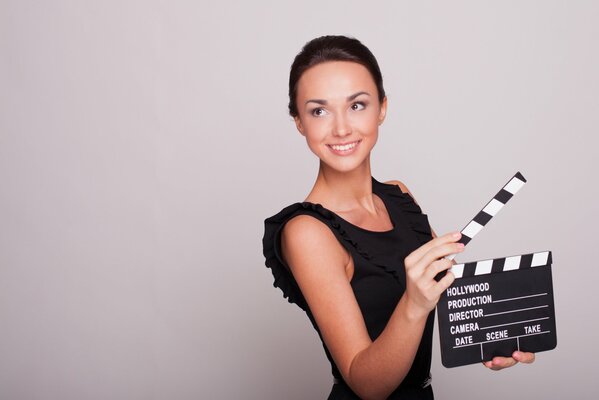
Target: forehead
335, 79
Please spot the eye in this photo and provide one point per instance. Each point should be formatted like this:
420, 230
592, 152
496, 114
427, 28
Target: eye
318, 112
357, 106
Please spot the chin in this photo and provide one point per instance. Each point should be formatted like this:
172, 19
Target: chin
348, 166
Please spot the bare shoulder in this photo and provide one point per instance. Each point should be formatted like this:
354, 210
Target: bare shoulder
305, 228
306, 221
304, 235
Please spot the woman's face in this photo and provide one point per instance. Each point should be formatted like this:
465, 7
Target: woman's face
339, 112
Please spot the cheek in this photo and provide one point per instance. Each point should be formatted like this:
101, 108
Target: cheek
314, 142
368, 122
315, 129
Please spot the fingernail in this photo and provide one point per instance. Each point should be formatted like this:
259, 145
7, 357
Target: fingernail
461, 245
456, 234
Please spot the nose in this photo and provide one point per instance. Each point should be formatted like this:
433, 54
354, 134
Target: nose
342, 126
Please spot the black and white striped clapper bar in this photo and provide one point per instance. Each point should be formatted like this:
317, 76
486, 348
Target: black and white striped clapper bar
495, 307
491, 209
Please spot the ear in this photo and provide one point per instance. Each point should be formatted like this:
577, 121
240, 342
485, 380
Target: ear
383, 110
298, 125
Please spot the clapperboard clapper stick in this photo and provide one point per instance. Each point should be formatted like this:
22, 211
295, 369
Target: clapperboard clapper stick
488, 212
491, 209
497, 306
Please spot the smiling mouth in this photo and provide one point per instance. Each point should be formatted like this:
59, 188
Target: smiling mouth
344, 148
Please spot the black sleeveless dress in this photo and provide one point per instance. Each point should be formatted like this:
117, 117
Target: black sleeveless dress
379, 278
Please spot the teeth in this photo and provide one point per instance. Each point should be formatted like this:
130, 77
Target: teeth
344, 147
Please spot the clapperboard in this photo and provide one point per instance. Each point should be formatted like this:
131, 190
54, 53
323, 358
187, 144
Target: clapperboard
500, 305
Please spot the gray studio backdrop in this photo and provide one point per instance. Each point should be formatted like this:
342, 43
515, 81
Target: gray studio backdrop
142, 144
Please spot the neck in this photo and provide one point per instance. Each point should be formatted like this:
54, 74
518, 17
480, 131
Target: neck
342, 191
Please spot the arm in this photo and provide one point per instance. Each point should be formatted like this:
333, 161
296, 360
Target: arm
373, 369
497, 363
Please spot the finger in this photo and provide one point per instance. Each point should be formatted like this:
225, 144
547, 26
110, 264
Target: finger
491, 366
440, 251
502, 362
447, 238
524, 357
436, 267
444, 283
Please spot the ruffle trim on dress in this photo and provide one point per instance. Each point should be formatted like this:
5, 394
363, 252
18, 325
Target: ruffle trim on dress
416, 219
272, 251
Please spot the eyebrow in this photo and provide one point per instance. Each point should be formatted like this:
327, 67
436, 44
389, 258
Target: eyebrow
349, 98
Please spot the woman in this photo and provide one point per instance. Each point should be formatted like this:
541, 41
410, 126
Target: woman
358, 255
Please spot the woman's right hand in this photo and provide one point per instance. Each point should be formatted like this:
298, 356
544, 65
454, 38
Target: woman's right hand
422, 265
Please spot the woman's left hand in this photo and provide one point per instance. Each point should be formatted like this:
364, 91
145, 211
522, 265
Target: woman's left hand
498, 363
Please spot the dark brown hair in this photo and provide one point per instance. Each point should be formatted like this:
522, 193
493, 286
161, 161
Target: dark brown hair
332, 48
